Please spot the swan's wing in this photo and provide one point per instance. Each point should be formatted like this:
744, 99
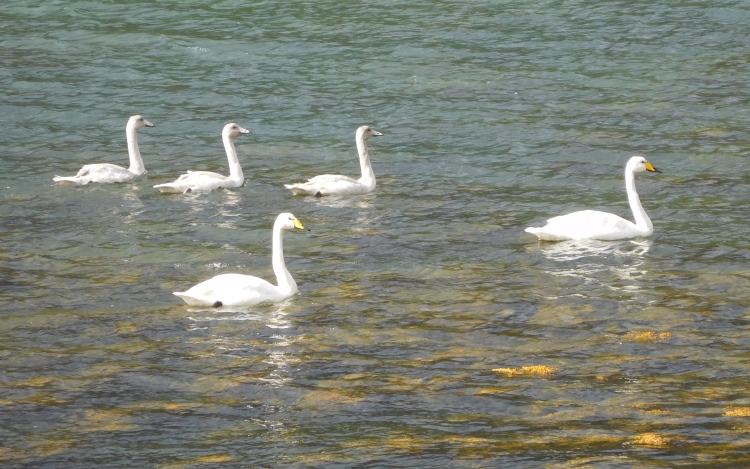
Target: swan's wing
197, 174
234, 290
206, 174
589, 224
329, 184
330, 179
196, 180
588, 217
105, 172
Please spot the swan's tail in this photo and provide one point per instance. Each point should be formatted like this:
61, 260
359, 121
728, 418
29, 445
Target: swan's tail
539, 232
73, 179
170, 188
545, 235
298, 189
195, 300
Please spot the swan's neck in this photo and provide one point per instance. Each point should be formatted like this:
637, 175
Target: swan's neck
283, 277
136, 162
642, 221
235, 170
368, 177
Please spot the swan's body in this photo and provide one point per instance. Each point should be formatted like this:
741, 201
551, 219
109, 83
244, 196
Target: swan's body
592, 224
206, 181
245, 290
107, 173
334, 184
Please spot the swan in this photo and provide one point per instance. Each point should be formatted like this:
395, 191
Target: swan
332, 184
246, 290
592, 224
207, 180
107, 173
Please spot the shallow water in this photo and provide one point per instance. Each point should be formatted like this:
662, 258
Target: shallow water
496, 115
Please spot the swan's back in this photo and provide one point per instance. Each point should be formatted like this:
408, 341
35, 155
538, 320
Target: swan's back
327, 184
99, 172
586, 224
197, 181
231, 290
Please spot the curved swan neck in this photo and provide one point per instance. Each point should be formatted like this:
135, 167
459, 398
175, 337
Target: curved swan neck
368, 177
235, 170
283, 277
642, 221
136, 162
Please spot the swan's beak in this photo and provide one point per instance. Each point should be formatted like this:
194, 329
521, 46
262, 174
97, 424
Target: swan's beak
244, 131
375, 133
147, 123
298, 224
650, 167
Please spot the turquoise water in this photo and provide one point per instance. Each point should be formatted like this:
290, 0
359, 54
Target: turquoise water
496, 115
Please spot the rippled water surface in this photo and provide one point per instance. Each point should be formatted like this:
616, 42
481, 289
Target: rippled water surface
429, 330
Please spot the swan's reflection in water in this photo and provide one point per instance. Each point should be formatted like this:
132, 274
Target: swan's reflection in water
344, 201
133, 203
363, 206
279, 340
617, 265
220, 208
224, 199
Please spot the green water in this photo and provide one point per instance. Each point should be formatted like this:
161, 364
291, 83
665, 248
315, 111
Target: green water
496, 115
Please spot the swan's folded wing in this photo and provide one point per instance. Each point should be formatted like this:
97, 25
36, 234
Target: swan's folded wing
329, 184
201, 180
202, 175
105, 172
587, 217
588, 224
234, 289
576, 217
330, 178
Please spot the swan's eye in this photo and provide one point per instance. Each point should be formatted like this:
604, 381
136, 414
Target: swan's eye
141, 119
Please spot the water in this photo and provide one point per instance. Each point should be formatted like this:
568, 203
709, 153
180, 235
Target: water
496, 115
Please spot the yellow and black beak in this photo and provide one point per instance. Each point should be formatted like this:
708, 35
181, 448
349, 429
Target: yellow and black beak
298, 224
650, 167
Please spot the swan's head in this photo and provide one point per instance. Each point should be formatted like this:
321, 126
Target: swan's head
638, 164
138, 122
233, 130
287, 221
366, 132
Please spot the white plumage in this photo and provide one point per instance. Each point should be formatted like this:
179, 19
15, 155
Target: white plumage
206, 181
246, 290
592, 224
107, 173
334, 184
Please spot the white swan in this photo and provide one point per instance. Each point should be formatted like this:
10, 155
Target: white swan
207, 180
591, 224
107, 173
245, 290
332, 184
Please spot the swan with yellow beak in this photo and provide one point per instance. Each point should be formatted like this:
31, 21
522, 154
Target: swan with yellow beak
592, 224
246, 290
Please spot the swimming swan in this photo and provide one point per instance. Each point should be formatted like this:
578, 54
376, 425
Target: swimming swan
245, 290
591, 224
107, 173
206, 180
331, 184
